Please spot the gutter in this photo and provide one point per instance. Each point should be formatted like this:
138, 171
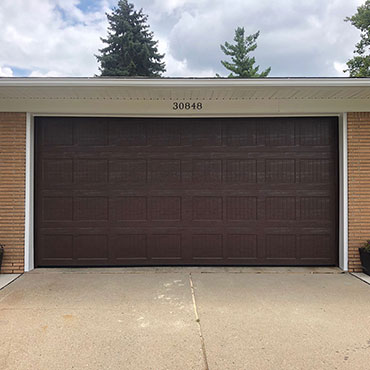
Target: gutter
183, 83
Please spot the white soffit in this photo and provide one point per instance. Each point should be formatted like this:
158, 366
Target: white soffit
259, 95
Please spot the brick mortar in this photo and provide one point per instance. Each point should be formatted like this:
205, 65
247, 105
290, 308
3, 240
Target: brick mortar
12, 190
358, 185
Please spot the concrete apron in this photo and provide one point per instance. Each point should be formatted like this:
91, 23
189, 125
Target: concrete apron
185, 318
6, 279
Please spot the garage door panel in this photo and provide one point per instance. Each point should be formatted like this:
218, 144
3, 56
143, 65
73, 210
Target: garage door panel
60, 247
279, 246
130, 133
91, 247
57, 172
241, 246
124, 191
56, 132
315, 246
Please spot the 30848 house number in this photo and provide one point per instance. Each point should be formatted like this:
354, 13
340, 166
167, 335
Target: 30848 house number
187, 106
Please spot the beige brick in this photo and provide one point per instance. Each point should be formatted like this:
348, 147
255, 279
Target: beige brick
12, 189
358, 185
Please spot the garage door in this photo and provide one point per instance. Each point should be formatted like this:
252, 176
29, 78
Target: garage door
246, 191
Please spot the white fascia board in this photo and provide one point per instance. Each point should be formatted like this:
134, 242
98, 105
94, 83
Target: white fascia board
181, 83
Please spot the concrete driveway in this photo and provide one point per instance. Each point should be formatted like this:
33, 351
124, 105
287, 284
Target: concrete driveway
185, 318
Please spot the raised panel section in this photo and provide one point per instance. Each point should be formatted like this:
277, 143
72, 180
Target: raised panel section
130, 246
241, 246
166, 208
57, 133
130, 208
165, 246
165, 171
315, 246
207, 170
315, 171
165, 134
207, 246
206, 134
241, 208
127, 133
91, 247
59, 247
241, 134
240, 171
57, 208
127, 171
280, 246
280, 133
57, 171
90, 171
207, 208
91, 209
92, 132
314, 134
280, 208
280, 171
315, 208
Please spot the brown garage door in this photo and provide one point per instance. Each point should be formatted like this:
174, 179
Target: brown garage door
246, 191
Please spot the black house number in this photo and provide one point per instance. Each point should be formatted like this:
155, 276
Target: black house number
187, 106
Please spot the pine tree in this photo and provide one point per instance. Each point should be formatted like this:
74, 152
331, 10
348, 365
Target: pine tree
130, 50
359, 65
241, 63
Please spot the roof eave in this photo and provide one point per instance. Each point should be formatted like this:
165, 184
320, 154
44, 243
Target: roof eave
183, 83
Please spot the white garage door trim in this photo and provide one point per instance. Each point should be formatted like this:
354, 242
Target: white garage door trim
343, 185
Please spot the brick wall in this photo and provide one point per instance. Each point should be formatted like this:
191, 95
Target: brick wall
358, 185
12, 189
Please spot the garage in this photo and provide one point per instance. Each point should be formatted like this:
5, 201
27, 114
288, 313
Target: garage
186, 191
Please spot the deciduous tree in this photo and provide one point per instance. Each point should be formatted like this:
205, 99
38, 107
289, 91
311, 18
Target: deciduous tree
359, 65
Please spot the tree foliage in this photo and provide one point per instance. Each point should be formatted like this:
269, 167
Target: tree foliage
359, 65
242, 65
130, 50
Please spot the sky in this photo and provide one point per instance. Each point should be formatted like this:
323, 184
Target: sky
298, 38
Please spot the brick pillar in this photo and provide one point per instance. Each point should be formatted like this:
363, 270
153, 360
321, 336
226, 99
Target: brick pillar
12, 189
358, 185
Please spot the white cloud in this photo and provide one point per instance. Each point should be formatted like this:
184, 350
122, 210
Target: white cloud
57, 38
340, 68
47, 74
51, 36
6, 72
297, 38
175, 67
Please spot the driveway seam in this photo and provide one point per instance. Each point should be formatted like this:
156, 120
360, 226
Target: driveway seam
197, 319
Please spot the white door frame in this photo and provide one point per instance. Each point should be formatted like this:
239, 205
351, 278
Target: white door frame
343, 185
29, 203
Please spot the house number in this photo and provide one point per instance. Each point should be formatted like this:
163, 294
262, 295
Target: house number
187, 106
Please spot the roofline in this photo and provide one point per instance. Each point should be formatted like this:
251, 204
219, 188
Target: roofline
182, 82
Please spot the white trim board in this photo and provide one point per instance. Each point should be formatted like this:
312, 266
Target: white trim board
343, 193
29, 201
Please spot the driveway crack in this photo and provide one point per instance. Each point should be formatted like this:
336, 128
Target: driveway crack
197, 319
